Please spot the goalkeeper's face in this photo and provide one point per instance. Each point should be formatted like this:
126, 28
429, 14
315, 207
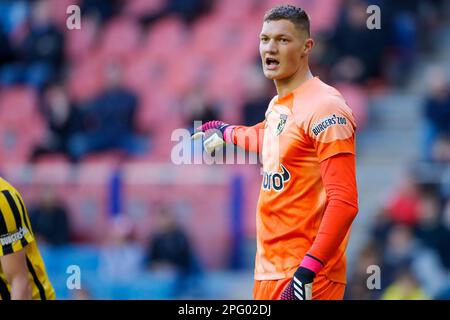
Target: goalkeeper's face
283, 49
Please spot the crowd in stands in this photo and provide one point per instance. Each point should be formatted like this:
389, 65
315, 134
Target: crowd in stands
410, 235
409, 242
436, 111
138, 69
145, 61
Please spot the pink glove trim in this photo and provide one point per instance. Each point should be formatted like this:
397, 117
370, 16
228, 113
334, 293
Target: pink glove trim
210, 125
228, 134
311, 264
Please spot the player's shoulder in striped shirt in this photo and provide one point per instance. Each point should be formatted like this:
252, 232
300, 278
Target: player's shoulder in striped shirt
15, 230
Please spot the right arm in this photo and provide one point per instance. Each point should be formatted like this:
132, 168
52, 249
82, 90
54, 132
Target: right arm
248, 138
14, 267
16, 236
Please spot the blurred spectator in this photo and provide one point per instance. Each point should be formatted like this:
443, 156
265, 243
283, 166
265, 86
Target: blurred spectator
258, 95
80, 294
441, 150
170, 247
401, 249
444, 294
403, 204
40, 53
430, 230
357, 288
197, 108
437, 114
109, 120
430, 272
357, 99
102, 10
62, 118
404, 251
170, 252
400, 19
49, 219
445, 222
351, 40
13, 14
381, 226
121, 256
405, 287
6, 52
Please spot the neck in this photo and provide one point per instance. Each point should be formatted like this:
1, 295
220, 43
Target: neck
287, 85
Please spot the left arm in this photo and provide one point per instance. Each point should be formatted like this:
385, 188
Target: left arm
339, 179
14, 267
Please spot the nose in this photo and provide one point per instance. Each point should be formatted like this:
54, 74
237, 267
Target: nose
271, 47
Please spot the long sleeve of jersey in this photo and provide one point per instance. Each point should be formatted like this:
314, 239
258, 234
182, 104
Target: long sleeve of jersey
339, 179
249, 138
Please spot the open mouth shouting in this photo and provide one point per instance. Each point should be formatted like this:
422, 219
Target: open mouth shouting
271, 63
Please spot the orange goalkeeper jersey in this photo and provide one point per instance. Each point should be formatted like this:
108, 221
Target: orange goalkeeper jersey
302, 129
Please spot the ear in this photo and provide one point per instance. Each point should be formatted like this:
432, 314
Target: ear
309, 44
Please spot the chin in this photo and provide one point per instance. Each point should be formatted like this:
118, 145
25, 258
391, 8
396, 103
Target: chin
271, 76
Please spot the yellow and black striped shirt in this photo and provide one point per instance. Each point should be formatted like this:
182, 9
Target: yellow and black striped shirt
16, 234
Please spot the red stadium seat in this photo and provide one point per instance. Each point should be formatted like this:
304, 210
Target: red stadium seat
137, 8
227, 10
324, 20
323, 13
59, 14
52, 170
80, 42
53, 159
145, 72
203, 36
17, 102
184, 73
110, 158
85, 79
357, 100
88, 200
139, 203
232, 41
21, 125
87, 203
120, 38
206, 220
154, 107
165, 37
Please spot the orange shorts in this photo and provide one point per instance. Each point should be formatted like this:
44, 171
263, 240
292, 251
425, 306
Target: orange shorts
323, 289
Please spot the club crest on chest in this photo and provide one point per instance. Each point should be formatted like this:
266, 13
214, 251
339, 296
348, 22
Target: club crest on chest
281, 123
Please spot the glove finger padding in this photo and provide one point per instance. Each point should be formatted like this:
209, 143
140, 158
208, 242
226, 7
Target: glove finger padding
297, 291
197, 135
288, 293
213, 142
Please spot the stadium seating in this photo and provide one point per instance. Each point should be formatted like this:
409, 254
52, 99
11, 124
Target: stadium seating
163, 63
21, 124
120, 38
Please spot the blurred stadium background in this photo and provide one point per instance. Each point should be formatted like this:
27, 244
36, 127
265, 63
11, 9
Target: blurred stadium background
86, 118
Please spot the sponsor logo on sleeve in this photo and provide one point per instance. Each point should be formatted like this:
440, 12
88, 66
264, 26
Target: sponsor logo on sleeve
13, 236
323, 124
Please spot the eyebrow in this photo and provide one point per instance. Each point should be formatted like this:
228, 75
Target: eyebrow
280, 35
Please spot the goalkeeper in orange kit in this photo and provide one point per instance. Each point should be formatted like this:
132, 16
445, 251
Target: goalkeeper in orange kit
308, 197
